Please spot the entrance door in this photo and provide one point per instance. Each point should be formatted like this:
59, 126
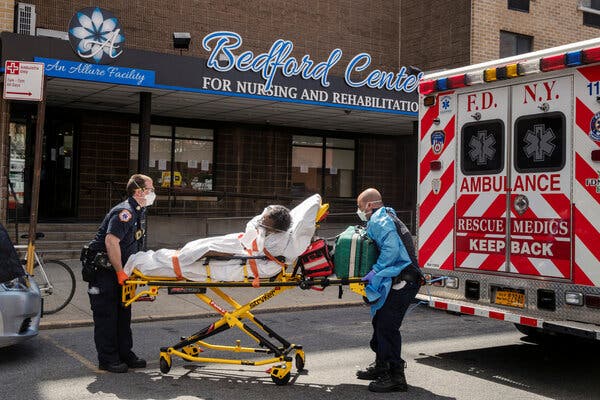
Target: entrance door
540, 201
58, 179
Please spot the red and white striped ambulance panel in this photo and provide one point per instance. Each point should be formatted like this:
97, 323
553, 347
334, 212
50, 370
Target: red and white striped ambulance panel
586, 185
540, 199
481, 180
436, 187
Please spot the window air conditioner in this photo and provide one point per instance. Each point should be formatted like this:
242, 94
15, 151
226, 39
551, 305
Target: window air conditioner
25, 19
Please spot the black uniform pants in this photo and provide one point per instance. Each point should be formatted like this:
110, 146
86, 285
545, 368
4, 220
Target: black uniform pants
112, 321
386, 341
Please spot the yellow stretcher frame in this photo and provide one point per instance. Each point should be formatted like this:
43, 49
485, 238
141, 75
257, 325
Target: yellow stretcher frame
140, 287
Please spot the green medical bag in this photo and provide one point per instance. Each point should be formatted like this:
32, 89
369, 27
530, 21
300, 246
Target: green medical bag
355, 253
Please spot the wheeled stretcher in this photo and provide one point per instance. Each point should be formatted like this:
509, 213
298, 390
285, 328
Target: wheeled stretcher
276, 349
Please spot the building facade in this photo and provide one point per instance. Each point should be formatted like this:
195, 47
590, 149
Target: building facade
218, 143
192, 95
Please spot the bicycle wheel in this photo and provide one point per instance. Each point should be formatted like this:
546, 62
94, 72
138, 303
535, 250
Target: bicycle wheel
59, 289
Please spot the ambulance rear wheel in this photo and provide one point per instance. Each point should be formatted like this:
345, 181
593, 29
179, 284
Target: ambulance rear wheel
281, 381
165, 365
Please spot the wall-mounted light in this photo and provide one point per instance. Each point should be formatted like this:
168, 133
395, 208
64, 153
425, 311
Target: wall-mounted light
181, 40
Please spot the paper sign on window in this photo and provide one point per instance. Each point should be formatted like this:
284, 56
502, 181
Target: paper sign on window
192, 163
304, 169
333, 171
205, 165
152, 164
162, 165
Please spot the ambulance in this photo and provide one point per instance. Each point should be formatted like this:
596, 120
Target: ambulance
509, 190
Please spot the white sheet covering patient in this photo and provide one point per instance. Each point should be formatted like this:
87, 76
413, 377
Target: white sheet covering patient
289, 244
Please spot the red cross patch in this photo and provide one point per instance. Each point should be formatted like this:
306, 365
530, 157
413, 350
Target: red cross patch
124, 216
12, 68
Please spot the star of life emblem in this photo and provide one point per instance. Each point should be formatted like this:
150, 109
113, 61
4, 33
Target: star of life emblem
539, 143
445, 104
483, 147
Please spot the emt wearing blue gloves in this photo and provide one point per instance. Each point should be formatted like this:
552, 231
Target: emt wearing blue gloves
392, 284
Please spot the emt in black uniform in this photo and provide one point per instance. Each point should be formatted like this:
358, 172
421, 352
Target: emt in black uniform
121, 234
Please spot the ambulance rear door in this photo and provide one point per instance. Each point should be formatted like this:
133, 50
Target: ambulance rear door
482, 197
540, 170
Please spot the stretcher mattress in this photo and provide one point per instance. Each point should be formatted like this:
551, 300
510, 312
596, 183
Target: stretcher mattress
192, 266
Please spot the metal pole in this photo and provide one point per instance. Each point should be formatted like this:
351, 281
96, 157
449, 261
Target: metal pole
37, 171
4, 148
144, 132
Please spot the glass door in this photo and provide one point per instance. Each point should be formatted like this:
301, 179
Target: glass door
58, 198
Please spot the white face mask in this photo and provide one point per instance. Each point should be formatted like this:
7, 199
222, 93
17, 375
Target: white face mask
150, 197
362, 215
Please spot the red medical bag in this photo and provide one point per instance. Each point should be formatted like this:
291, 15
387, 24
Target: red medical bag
315, 261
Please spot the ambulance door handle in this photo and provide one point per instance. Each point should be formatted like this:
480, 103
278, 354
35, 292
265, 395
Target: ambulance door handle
521, 204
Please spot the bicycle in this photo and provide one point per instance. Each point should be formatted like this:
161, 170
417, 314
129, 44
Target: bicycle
54, 278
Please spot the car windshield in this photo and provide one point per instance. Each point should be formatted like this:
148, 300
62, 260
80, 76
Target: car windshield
10, 266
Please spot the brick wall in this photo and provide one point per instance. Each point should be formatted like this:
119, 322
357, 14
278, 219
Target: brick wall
435, 36
316, 28
103, 157
550, 22
389, 164
7, 15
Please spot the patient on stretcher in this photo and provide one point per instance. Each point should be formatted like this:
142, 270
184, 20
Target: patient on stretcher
273, 239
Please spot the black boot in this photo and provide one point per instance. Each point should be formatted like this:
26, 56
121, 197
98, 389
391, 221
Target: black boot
393, 380
373, 371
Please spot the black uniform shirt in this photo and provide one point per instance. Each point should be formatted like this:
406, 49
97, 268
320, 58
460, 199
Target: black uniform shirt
127, 221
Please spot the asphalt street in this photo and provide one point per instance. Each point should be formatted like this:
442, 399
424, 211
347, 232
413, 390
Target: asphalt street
449, 357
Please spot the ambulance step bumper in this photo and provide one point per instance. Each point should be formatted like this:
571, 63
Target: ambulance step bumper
580, 329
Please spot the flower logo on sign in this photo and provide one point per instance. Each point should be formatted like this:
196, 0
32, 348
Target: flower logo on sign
95, 34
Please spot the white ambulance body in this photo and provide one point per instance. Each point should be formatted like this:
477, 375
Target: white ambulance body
509, 189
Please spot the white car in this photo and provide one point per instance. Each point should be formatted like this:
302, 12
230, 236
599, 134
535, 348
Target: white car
20, 310
20, 298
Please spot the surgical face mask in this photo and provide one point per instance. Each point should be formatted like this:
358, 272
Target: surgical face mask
150, 197
362, 215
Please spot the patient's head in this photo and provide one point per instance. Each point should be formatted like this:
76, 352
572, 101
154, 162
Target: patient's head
275, 218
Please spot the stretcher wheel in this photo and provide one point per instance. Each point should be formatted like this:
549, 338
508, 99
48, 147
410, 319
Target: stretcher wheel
165, 364
299, 358
281, 381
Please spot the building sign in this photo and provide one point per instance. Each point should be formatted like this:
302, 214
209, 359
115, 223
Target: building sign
223, 44
23, 80
274, 75
95, 35
97, 73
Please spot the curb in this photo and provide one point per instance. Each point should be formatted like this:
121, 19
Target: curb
154, 318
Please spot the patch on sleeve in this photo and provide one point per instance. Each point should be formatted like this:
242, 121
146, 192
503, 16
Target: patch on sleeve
125, 216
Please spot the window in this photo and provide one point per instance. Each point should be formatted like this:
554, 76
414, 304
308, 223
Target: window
540, 142
518, 5
482, 150
184, 153
591, 18
323, 165
512, 44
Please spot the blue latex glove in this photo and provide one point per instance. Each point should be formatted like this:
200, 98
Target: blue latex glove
369, 276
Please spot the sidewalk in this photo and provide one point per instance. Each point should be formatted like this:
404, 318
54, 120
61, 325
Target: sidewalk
78, 312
